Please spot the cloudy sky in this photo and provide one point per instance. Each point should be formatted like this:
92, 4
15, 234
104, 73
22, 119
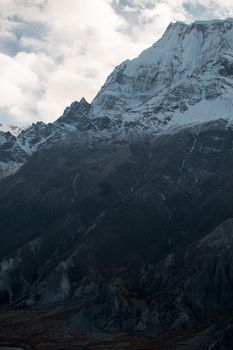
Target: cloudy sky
53, 52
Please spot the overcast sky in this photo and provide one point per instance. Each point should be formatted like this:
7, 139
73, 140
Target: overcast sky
53, 52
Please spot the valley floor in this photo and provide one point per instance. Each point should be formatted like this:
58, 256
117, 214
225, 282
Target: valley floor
40, 329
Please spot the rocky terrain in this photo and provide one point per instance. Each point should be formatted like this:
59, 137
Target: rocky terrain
14, 130
117, 219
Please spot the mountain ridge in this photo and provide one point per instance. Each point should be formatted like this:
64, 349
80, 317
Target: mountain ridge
185, 77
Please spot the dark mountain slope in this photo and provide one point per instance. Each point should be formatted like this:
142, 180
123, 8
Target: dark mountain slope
93, 224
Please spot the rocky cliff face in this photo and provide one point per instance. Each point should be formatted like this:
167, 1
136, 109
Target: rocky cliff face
12, 156
181, 79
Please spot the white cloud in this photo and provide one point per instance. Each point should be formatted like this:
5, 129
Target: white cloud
64, 50
81, 45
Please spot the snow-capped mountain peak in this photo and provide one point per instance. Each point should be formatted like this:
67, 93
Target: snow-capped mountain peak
76, 109
171, 81
14, 130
